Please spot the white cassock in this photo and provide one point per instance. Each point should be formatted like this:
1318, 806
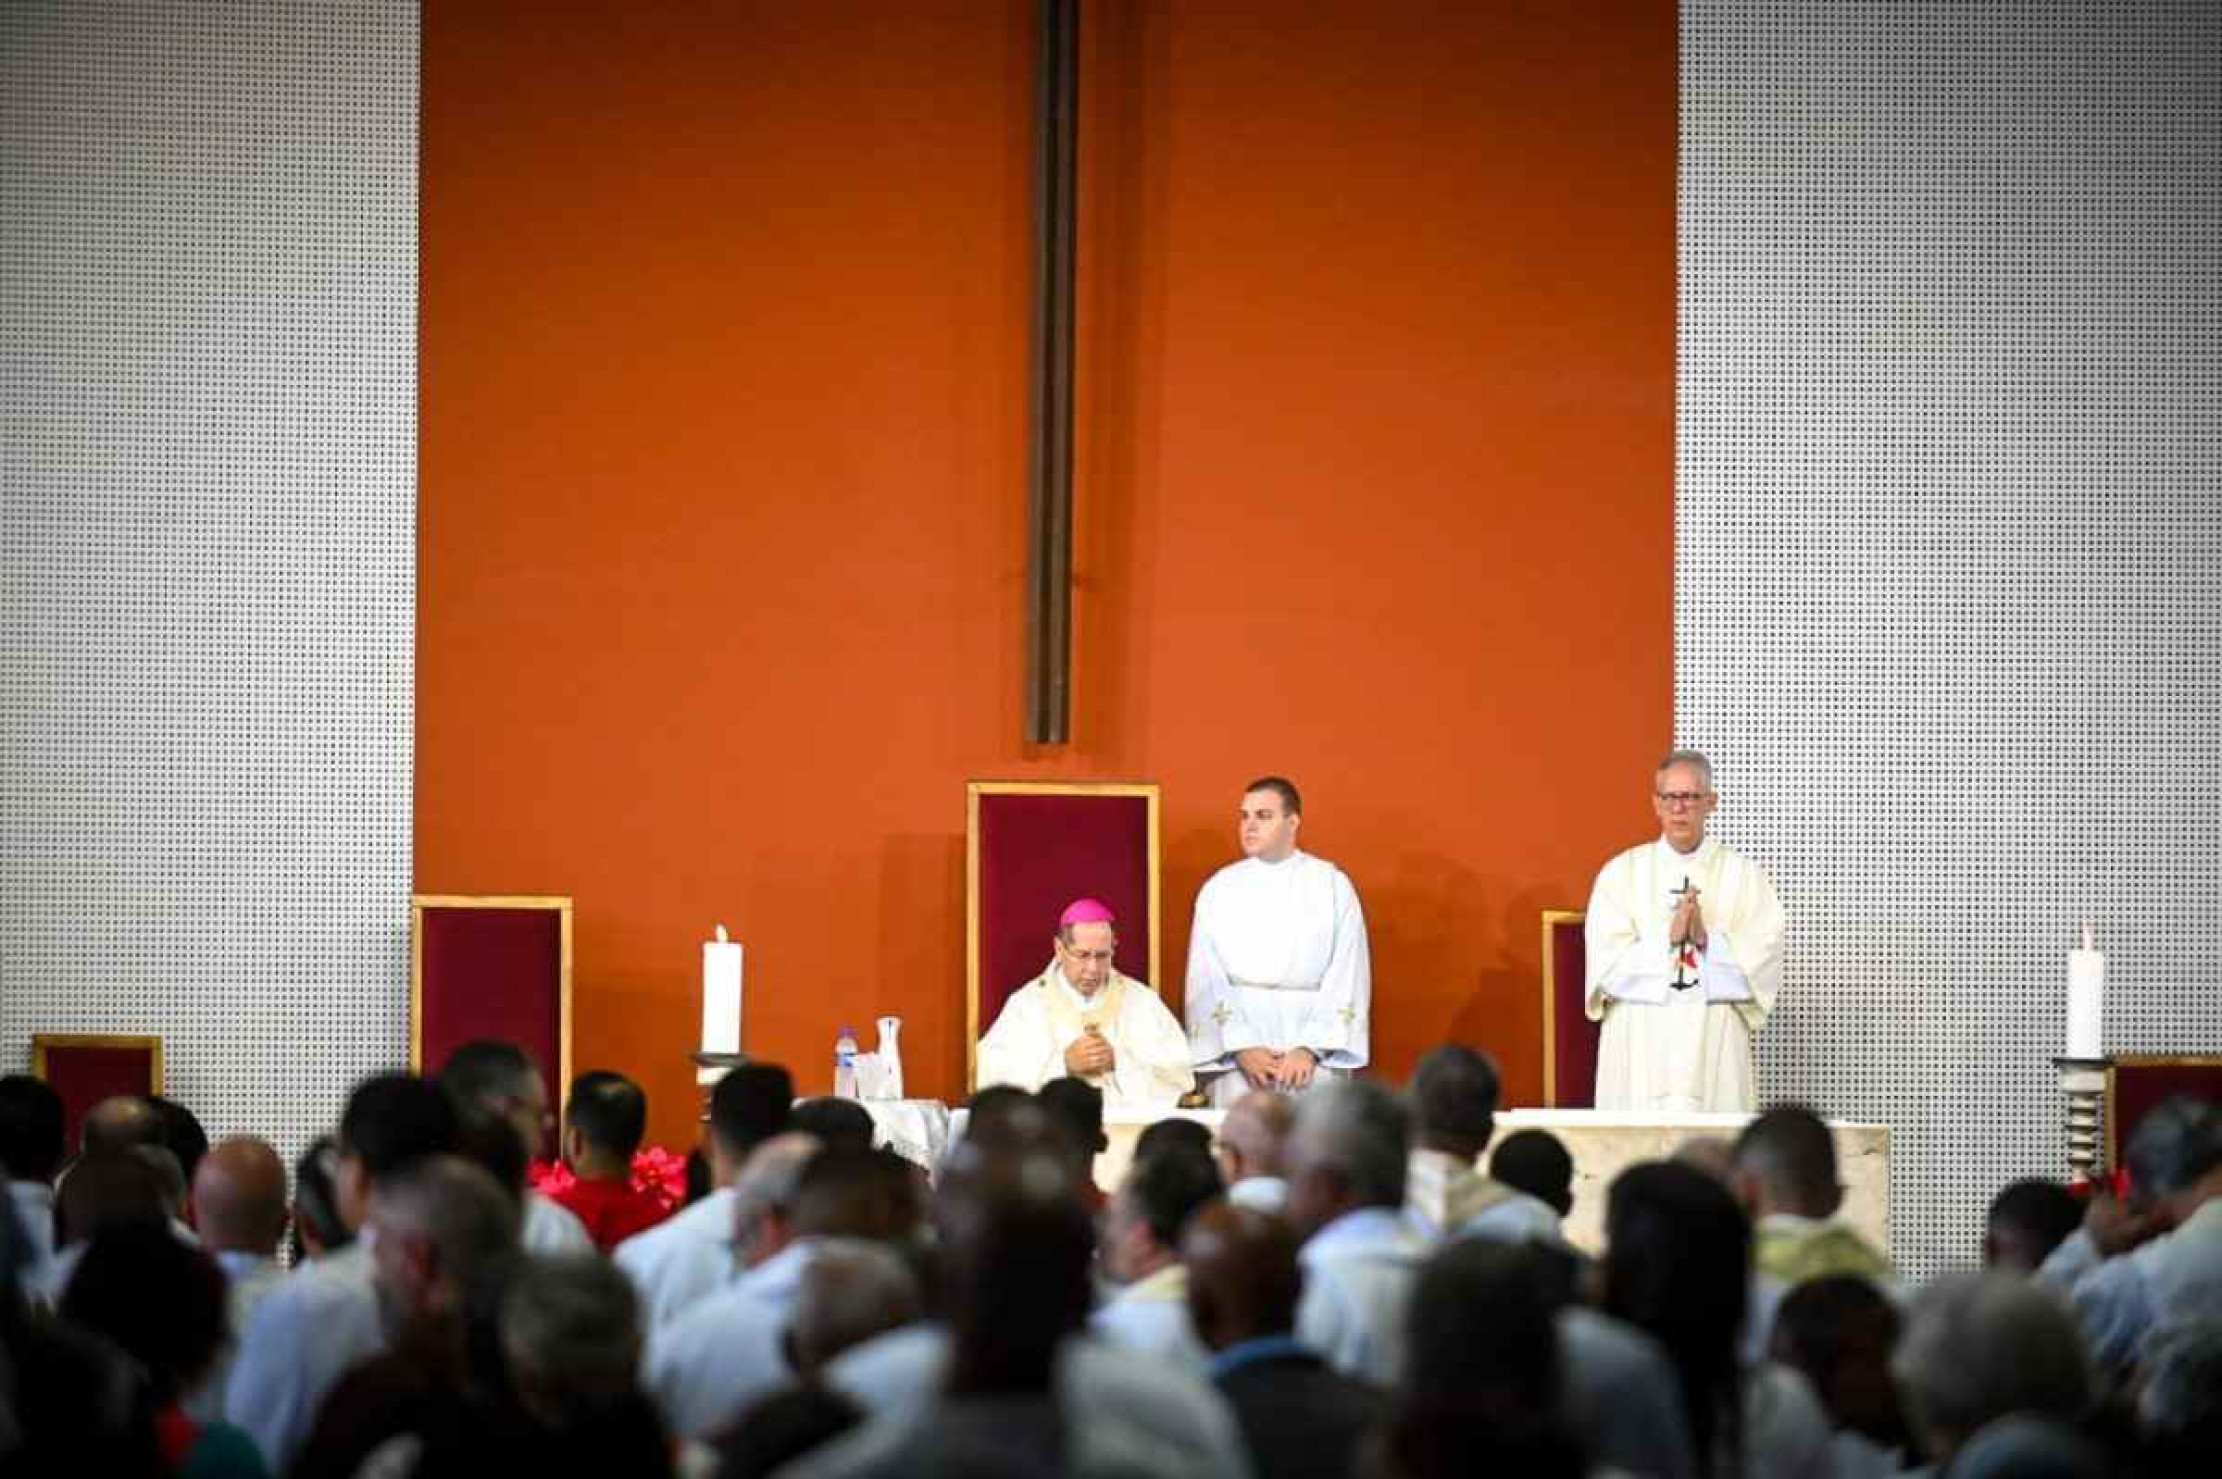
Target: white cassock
1149, 1052
1277, 959
1688, 1050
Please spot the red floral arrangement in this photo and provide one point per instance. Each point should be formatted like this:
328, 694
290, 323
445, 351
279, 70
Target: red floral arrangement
656, 1172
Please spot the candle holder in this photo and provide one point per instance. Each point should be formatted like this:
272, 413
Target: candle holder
2083, 1083
708, 1069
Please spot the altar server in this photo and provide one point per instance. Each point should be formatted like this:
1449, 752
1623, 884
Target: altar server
1684, 939
1279, 980
1081, 1018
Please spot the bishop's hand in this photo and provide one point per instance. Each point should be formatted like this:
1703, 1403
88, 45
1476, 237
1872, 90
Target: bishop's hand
1088, 1054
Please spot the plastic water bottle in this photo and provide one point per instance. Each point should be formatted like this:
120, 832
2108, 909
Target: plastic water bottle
844, 1064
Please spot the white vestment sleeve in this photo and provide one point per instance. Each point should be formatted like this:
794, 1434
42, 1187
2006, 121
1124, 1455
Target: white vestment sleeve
1753, 938
1336, 1026
1153, 1052
1718, 973
1216, 1028
1620, 969
1017, 1050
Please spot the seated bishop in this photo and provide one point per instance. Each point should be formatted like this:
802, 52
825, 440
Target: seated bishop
1081, 1018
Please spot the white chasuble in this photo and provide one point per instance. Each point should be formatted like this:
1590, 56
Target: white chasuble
1277, 959
1026, 1046
1678, 1024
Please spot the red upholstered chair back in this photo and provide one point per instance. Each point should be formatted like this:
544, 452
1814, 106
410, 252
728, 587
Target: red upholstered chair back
85, 1068
497, 967
2138, 1083
1569, 1037
1034, 848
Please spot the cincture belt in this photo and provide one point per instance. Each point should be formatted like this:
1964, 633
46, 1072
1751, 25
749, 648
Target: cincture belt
1272, 985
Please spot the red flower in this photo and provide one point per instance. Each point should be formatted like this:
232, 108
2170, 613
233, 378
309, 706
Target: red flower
662, 1175
657, 1173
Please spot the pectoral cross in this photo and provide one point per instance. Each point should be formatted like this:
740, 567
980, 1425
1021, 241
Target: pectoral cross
1685, 953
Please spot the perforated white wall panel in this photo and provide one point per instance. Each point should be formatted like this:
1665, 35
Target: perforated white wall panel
1949, 543
208, 265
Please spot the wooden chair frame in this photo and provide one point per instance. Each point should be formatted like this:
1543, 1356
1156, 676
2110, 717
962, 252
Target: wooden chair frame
1552, 918
974, 790
2142, 1060
129, 1042
556, 903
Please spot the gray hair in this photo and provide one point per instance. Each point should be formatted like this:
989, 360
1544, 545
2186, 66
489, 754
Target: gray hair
570, 1332
2174, 1146
1980, 1345
768, 1182
1694, 759
1358, 1129
852, 1291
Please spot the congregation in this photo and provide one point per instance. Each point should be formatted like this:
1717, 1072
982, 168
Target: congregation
1350, 1282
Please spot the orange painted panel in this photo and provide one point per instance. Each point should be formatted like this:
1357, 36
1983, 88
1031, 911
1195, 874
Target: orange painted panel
723, 452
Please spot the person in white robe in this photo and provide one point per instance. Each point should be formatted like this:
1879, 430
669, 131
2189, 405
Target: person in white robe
1081, 1018
1280, 983
1684, 941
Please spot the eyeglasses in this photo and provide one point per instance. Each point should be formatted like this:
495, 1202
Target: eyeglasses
1681, 800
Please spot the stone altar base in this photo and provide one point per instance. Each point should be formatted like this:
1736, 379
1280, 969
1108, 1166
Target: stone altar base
1603, 1143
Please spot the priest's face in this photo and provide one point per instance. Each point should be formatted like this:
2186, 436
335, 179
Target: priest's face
1684, 800
1267, 827
1086, 957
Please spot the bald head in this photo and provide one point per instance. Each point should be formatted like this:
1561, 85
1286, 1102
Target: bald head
121, 1123
1251, 1137
239, 1197
1243, 1281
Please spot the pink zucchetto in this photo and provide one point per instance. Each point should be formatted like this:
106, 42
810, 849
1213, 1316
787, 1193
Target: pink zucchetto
1085, 911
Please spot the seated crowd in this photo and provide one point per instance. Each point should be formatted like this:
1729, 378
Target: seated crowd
1346, 1283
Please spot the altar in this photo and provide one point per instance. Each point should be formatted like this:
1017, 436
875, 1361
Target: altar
1603, 1143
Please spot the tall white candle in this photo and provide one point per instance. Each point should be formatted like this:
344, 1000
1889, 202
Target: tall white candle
721, 995
2086, 998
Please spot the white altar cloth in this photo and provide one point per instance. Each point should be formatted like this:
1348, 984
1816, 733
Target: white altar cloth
1603, 1143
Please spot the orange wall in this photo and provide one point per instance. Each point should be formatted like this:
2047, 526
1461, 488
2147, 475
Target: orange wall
722, 527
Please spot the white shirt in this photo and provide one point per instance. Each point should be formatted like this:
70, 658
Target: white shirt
34, 1210
305, 1333
711, 1361
1125, 1413
248, 1279
1358, 1275
1260, 1193
1150, 1318
682, 1259
551, 1227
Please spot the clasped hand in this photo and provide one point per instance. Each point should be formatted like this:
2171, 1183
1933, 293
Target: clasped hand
1089, 1054
1688, 927
1263, 1068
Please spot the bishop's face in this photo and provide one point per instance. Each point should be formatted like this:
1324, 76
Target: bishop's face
1086, 958
1684, 800
1267, 828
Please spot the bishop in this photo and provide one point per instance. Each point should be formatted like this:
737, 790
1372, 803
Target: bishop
1080, 1017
